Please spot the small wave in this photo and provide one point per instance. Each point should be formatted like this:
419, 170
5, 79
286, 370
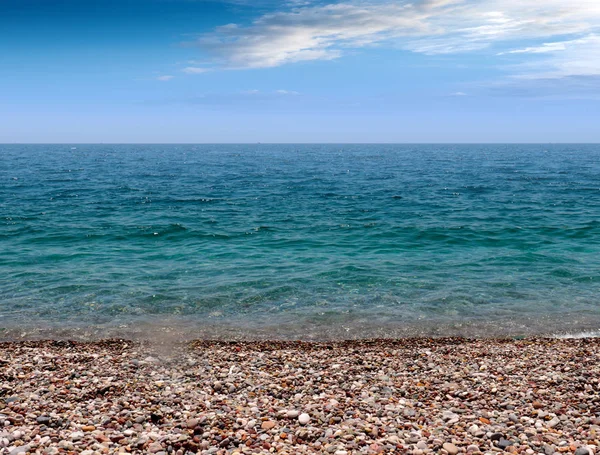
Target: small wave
578, 335
202, 200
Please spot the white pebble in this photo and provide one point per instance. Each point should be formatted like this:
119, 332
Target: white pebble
303, 418
77, 435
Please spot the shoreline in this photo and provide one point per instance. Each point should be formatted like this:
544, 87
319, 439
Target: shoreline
410, 395
174, 330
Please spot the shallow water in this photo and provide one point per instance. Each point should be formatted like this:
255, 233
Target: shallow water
299, 241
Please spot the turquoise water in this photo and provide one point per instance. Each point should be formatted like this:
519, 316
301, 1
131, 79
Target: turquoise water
299, 241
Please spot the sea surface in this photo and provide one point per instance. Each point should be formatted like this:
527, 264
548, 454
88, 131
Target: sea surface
299, 241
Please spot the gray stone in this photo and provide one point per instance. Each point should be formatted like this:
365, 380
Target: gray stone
554, 422
43, 420
504, 443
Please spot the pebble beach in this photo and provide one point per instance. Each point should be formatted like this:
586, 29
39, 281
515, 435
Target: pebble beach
408, 396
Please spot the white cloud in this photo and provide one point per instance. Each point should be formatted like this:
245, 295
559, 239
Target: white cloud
195, 70
543, 49
164, 78
326, 32
458, 94
286, 92
572, 58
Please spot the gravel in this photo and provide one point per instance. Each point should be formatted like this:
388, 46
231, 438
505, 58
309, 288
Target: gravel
415, 396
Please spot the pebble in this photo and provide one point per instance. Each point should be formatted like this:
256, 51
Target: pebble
267, 425
414, 396
504, 443
43, 420
554, 422
303, 418
155, 447
450, 448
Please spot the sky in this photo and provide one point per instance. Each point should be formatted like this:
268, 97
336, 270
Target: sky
198, 71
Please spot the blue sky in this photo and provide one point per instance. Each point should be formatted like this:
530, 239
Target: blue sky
299, 71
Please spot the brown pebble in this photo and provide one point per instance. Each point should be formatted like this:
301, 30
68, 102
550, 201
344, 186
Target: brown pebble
192, 423
88, 428
537, 405
450, 448
267, 425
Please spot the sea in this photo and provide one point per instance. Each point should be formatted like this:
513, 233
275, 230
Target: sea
299, 242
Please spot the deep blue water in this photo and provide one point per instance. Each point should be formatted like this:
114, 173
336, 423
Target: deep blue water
299, 241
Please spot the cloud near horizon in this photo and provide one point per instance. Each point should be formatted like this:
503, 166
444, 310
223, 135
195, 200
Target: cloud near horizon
431, 27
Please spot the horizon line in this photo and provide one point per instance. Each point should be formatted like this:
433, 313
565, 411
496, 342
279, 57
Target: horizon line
299, 143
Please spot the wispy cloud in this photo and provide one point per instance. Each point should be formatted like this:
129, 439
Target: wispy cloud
326, 32
195, 70
579, 57
568, 87
274, 92
249, 98
165, 78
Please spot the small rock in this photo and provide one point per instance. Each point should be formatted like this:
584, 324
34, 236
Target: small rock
504, 443
77, 435
155, 447
450, 448
583, 450
191, 423
554, 422
393, 439
267, 425
303, 418
292, 414
43, 420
